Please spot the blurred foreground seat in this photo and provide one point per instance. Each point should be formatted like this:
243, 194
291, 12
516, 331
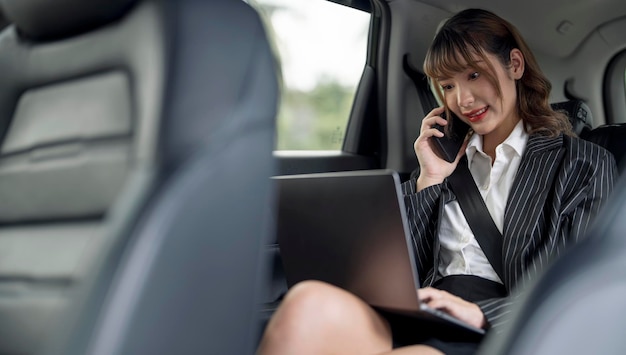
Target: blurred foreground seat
136, 141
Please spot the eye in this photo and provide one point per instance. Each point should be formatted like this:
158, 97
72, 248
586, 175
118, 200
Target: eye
474, 75
446, 87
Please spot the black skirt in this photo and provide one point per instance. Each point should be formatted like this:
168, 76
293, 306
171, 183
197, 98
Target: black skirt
408, 330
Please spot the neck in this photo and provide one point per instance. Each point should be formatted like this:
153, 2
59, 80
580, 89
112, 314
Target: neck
495, 138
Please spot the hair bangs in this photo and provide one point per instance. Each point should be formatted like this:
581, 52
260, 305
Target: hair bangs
450, 54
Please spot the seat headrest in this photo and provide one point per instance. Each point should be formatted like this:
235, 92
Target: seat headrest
48, 19
579, 114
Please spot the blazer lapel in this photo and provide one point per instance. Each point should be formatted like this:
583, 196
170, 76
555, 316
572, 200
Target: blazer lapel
529, 192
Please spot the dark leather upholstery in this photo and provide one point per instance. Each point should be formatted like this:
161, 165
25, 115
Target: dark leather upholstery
79, 119
613, 138
610, 137
579, 114
135, 160
577, 306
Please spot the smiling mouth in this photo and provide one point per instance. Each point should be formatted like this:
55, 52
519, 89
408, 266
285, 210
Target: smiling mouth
477, 115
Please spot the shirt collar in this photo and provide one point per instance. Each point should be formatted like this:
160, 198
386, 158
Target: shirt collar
516, 140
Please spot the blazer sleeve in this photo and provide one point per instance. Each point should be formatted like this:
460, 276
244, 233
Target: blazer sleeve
575, 217
582, 207
422, 214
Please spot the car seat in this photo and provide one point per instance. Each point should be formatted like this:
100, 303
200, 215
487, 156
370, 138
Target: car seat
578, 113
136, 151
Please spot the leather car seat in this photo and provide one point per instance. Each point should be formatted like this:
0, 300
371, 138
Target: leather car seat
136, 150
579, 115
610, 137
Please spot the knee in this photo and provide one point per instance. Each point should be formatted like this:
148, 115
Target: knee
313, 305
315, 301
317, 310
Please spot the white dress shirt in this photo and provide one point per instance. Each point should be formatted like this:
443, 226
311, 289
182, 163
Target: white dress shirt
460, 253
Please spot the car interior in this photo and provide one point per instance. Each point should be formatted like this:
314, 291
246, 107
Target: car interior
139, 139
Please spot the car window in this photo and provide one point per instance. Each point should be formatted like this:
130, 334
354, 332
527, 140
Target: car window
322, 50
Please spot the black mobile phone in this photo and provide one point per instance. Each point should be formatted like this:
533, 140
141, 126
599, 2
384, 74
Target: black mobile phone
448, 146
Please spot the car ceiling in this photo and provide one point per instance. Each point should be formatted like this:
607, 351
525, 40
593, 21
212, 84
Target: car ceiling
554, 27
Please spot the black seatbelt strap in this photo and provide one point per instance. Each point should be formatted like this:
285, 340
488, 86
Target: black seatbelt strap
477, 215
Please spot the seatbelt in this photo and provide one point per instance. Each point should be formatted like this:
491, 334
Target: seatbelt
477, 215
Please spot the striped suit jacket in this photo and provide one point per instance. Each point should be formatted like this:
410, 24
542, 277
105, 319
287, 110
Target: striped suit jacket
560, 185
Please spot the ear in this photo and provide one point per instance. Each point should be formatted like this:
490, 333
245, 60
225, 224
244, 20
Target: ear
517, 64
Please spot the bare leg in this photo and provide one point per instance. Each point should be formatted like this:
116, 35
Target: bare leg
318, 318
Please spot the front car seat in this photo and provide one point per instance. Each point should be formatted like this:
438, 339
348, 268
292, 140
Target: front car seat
136, 141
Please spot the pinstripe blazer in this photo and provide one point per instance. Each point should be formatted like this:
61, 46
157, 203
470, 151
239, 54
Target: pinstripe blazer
560, 185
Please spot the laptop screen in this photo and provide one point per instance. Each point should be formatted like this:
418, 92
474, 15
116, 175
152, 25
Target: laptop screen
348, 229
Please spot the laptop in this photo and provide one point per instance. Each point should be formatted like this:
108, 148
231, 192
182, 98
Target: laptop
350, 229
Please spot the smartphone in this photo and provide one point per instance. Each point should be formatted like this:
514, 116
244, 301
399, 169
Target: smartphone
448, 146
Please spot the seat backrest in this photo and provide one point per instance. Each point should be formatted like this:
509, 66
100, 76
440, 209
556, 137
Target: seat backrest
577, 306
79, 111
134, 175
610, 137
579, 115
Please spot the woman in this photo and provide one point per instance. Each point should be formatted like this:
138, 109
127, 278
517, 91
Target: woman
542, 186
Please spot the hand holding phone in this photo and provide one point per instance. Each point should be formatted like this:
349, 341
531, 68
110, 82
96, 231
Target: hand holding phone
448, 146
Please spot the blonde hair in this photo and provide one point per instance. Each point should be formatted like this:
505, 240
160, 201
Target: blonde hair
463, 40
